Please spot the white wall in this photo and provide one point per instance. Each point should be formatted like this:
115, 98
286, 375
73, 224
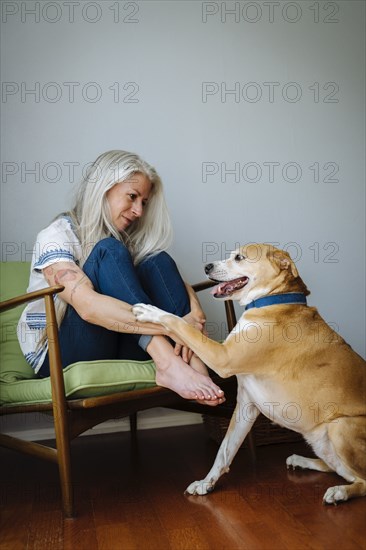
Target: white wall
302, 61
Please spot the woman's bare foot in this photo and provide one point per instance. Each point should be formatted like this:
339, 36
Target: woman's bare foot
173, 373
200, 367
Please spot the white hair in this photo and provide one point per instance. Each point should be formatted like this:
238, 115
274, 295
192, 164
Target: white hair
91, 214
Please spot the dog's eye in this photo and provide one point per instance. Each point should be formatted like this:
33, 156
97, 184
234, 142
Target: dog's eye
239, 258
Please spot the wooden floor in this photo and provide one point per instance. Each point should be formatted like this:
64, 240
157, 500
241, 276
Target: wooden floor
133, 498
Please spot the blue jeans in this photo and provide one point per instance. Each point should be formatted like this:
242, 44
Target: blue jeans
156, 280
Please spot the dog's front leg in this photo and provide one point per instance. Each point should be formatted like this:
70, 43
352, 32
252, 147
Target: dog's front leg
240, 425
213, 354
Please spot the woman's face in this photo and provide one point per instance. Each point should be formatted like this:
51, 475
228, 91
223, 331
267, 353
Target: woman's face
127, 200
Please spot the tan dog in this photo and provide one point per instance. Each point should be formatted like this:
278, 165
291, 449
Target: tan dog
290, 366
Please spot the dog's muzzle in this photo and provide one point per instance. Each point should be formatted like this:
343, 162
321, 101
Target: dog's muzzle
225, 288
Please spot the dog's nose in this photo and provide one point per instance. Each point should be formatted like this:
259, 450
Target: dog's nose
208, 268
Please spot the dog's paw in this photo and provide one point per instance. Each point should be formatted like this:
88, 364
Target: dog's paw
336, 494
146, 313
200, 488
296, 461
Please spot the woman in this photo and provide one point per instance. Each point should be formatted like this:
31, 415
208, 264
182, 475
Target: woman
109, 253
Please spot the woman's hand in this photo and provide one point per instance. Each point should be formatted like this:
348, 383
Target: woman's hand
197, 320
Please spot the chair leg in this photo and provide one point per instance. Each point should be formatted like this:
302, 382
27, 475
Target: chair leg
64, 466
133, 425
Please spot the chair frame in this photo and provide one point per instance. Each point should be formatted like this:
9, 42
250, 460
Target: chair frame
72, 417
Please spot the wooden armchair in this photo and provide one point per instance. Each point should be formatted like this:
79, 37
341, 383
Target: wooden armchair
74, 416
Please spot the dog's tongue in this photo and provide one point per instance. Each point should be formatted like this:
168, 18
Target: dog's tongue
219, 290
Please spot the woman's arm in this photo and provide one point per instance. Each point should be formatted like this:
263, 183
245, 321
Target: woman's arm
93, 307
196, 314
196, 318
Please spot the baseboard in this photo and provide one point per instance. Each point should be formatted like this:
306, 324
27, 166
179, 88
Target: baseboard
146, 420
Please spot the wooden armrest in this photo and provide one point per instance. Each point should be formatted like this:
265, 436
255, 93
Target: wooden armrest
56, 373
197, 287
30, 297
57, 381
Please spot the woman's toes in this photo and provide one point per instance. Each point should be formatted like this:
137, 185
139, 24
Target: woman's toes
201, 395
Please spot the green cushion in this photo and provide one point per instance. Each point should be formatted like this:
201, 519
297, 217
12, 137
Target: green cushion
92, 378
14, 277
19, 384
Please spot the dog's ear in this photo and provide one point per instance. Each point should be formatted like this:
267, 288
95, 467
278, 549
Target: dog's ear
284, 261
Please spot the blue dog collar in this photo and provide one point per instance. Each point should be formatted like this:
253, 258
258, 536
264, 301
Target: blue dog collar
290, 298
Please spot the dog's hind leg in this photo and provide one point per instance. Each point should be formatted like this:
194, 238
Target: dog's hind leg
348, 439
296, 461
240, 425
341, 444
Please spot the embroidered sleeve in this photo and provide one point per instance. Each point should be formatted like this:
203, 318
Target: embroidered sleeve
54, 255
56, 243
